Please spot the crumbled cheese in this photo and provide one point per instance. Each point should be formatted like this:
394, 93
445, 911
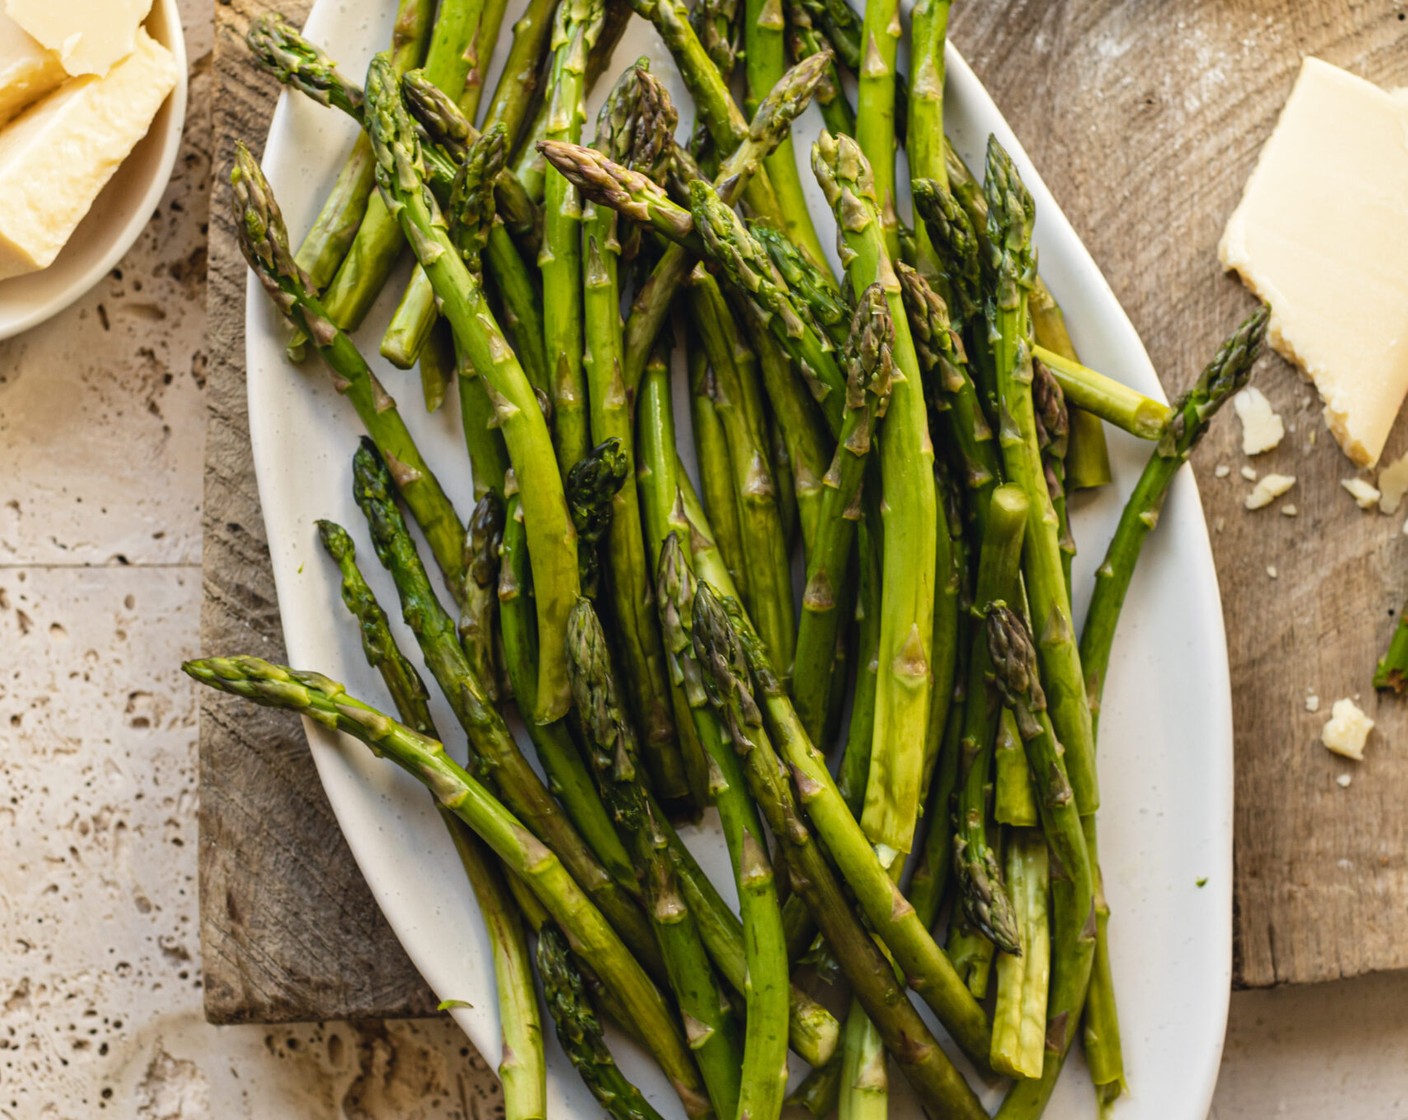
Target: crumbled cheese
1271, 571
1312, 702
1347, 730
1262, 429
1393, 484
1365, 495
1319, 234
1343, 780
1269, 489
1222, 470
1290, 510
1249, 473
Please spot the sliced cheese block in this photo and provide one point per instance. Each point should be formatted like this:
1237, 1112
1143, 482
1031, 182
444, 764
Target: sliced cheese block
28, 70
90, 36
1320, 234
57, 156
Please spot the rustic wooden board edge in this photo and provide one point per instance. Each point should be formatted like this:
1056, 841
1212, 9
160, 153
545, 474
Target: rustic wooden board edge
289, 930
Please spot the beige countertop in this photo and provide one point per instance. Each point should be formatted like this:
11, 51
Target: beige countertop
101, 433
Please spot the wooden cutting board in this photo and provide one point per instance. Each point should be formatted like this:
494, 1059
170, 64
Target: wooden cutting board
1145, 117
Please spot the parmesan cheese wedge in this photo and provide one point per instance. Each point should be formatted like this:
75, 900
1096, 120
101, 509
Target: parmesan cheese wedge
57, 156
28, 70
89, 36
1320, 235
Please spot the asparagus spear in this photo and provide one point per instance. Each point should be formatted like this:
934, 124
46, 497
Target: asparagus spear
765, 59
764, 1069
486, 37
928, 30
556, 748
753, 487
636, 125
592, 486
940, 1087
263, 239
1073, 927
1392, 670
912, 518
481, 569
551, 537
282, 51
715, 470
1104, 397
1019, 1016
805, 40
1192, 414
869, 361
496, 751
1013, 263
927, 970
710, 1030
875, 110
522, 1068
580, 1033
374, 250
1053, 429
813, 287
578, 26
865, 1078
599, 946
518, 81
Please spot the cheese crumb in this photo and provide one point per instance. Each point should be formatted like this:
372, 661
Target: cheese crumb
1290, 510
1249, 473
1222, 470
1262, 428
1393, 484
1347, 730
1365, 495
1271, 571
1312, 703
1343, 780
1269, 489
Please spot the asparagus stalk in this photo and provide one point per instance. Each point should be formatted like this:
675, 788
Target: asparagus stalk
599, 946
1014, 659
1104, 397
1013, 798
556, 748
869, 361
551, 537
865, 1078
374, 250
805, 40
486, 37
592, 486
496, 751
1053, 429
578, 26
815, 289
710, 1030
480, 598
263, 239
765, 58
753, 487
579, 1032
279, 49
518, 82
1192, 414
764, 1069
1019, 1016
1013, 263
928, 31
1392, 670
927, 970
635, 125
715, 470
912, 518
939, 1085
522, 1068
983, 896
875, 110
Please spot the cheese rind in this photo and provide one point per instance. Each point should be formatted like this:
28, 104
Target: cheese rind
28, 70
1319, 234
57, 156
90, 36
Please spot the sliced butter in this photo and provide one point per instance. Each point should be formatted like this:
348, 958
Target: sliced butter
90, 36
1320, 234
57, 156
28, 70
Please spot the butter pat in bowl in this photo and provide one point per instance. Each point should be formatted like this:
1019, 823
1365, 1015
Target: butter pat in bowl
92, 100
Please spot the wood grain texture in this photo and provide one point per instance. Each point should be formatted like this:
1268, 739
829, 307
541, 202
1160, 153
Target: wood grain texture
289, 930
1145, 119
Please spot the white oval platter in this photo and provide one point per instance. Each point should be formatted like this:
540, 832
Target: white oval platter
1166, 728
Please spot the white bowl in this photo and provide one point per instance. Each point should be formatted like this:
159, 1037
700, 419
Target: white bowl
119, 213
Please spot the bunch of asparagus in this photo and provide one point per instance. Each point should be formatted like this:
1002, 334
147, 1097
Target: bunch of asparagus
901, 748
